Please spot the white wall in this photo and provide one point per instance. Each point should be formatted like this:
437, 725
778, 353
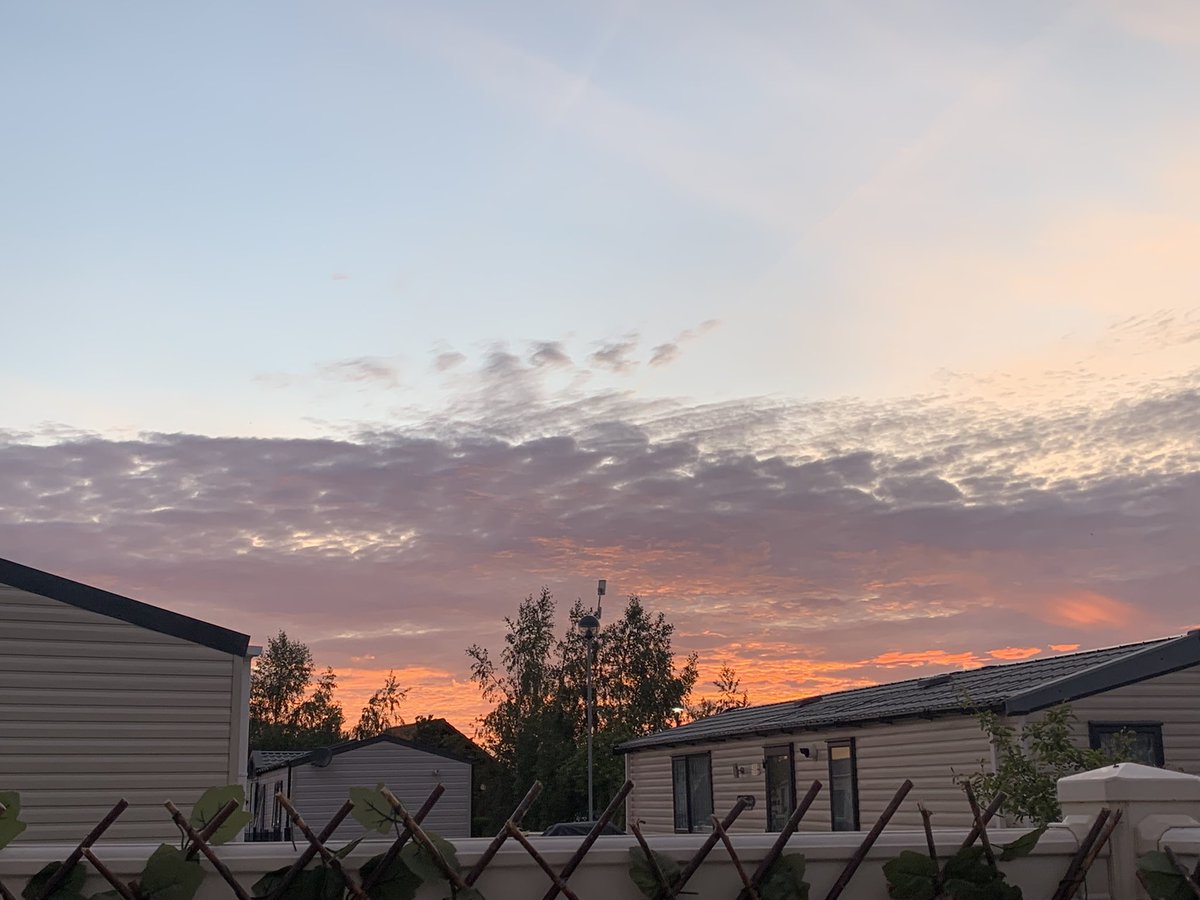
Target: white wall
94, 709
409, 773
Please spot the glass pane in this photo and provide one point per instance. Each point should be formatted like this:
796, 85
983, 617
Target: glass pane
679, 790
780, 791
1142, 742
700, 789
841, 787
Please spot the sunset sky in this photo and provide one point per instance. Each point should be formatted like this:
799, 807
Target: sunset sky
861, 339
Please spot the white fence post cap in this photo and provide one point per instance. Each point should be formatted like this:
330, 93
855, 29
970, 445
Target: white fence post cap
1129, 783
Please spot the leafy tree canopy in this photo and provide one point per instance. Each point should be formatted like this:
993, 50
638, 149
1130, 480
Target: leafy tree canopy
537, 726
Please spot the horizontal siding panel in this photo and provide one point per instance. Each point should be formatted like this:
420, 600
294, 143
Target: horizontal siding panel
40, 714
111, 764
117, 649
133, 791
105, 630
152, 679
107, 696
928, 751
104, 742
86, 733
411, 774
167, 784
132, 665
1171, 699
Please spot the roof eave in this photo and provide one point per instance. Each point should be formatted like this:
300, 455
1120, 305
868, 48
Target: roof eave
1161, 659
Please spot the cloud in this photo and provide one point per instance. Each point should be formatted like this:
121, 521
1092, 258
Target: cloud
362, 370
667, 353
549, 353
448, 360
811, 545
615, 356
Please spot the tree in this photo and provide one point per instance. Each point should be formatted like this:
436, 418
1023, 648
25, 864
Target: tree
729, 696
281, 717
1030, 762
537, 727
382, 710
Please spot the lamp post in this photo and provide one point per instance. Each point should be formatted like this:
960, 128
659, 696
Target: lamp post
589, 625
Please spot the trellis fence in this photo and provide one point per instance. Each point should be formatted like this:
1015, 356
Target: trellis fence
1095, 851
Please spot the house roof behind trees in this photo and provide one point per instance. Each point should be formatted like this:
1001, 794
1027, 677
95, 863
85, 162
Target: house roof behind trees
106, 603
1012, 688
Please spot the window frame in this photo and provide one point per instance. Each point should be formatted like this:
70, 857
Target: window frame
830, 746
687, 774
779, 750
1097, 730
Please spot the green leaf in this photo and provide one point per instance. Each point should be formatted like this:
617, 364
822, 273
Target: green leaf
10, 825
348, 849
170, 875
911, 876
1022, 846
212, 802
398, 881
372, 810
642, 874
968, 866
785, 879
421, 861
71, 889
1162, 880
266, 885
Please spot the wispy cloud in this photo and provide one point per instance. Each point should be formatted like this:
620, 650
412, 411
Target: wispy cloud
615, 356
668, 352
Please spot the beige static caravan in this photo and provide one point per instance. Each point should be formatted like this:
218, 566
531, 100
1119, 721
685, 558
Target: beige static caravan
861, 744
103, 698
318, 782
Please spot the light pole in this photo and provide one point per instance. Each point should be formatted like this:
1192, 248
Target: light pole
589, 625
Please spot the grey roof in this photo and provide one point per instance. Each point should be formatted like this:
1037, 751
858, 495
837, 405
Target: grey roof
290, 758
1013, 688
262, 760
106, 603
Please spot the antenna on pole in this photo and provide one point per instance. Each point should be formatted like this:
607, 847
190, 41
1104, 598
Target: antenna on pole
601, 587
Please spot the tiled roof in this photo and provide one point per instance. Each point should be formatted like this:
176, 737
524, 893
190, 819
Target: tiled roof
262, 760
1013, 687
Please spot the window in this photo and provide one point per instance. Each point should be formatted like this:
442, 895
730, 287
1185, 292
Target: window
843, 785
691, 783
1147, 739
781, 785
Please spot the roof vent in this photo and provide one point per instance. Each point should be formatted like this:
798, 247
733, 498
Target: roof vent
807, 701
935, 680
321, 757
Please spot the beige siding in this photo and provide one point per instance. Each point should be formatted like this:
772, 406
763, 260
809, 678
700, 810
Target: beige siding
95, 709
410, 774
928, 752
1173, 700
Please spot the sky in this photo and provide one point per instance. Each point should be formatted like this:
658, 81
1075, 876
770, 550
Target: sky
861, 339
